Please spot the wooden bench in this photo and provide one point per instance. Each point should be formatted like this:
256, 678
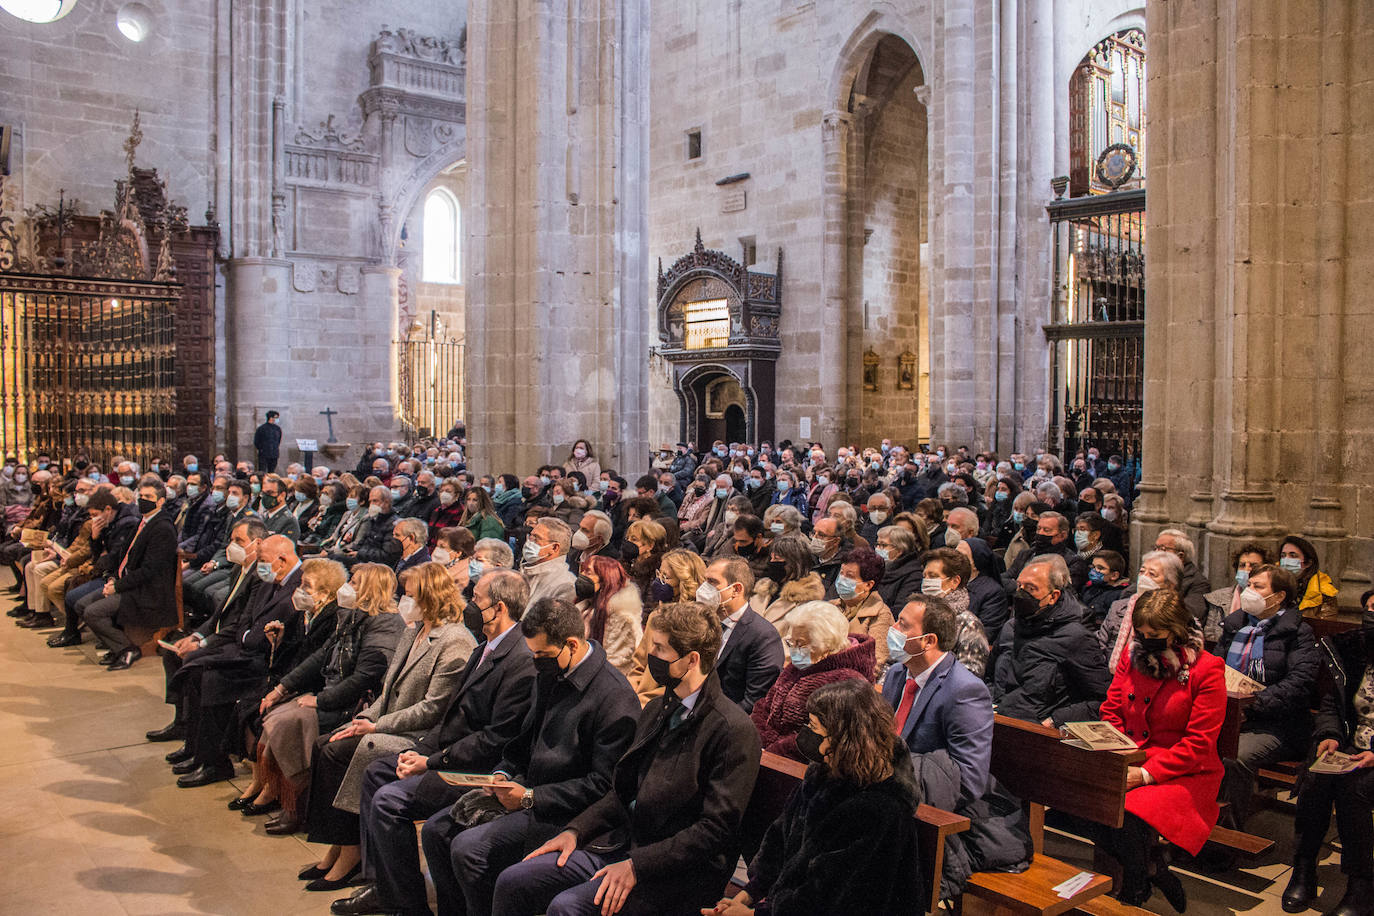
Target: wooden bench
1032, 762
1237, 843
778, 779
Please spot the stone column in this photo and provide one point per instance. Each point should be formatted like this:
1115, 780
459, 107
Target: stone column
837, 149
558, 292
257, 350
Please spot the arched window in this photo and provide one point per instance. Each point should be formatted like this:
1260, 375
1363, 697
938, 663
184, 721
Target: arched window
440, 256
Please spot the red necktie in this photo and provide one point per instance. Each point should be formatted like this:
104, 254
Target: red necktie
904, 707
125, 562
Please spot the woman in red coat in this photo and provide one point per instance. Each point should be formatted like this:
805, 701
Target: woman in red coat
1169, 696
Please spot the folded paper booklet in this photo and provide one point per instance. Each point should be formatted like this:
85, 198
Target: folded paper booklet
474, 780
1240, 685
33, 538
166, 645
1097, 736
1334, 762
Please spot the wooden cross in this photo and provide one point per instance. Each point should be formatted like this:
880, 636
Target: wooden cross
328, 413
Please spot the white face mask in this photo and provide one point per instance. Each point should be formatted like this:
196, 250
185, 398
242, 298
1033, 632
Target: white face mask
579, 453
730, 516
445, 497
952, 537
347, 597
236, 554
301, 600
408, 609
374, 510
877, 516
1144, 583
709, 595
1255, 604
441, 556
580, 540
932, 586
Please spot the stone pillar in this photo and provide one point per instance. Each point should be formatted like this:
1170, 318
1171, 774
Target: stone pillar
557, 323
837, 149
258, 323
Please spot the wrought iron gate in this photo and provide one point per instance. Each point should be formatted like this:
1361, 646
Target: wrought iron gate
430, 374
1097, 329
87, 367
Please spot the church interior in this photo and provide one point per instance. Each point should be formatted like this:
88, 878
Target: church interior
783, 303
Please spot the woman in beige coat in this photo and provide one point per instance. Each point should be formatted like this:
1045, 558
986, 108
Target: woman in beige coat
868, 614
613, 612
425, 670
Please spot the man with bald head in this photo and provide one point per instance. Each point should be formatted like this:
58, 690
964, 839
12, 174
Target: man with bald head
212, 680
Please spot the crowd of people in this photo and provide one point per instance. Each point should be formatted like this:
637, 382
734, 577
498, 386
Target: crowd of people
569, 677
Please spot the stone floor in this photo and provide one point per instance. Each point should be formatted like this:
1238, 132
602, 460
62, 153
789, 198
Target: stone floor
92, 822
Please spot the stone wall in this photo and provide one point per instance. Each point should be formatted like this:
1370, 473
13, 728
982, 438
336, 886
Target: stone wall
1259, 414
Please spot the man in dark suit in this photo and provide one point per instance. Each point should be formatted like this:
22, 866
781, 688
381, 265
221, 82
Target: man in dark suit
142, 591
582, 721
219, 630
940, 704
267, 441
375, 543
214, 574
229, 670
751, 655
412, 534
666, 835
485, 713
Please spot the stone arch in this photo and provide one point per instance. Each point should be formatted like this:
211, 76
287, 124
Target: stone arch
693, 423
406, 194
856, 53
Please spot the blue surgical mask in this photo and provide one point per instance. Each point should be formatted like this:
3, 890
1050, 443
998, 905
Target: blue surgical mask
846, 587
232, 500
1020, 465
217, 496
192, 468
351, 502
265, 571
499, 489
192, 490
883, 553
777, 527
1242, 577
896, 646
800, 657
474, 569
1018, 517
396, 493
1292, 564
783, 486
301, 497
1080, 540
721, 492
1001, 496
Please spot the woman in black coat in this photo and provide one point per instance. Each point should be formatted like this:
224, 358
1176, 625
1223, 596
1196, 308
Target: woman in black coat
1345, 723
902, 566
846, 842
1268, 641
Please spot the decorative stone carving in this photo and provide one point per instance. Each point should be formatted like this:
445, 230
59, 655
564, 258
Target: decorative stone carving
303, 276
329, 134
419, 136
350, 279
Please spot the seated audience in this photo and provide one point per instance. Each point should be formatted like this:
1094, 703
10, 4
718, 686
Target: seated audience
846, 842
1345, 723
1225, 601
1169, 696
1047, 667
946, 571
1267, 640
665, 836
613, 614
750, 655
1192, 585
1107, 584
1316, 591
860, 602
821, 650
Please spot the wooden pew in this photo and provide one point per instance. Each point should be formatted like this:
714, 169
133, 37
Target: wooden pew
1033, 763
778, 779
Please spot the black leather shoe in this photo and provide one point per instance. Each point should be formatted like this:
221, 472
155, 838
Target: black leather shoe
285, 824
126, 659
44, 621
1171, 888
106, 659
64, 639
176, 731
18, 611
205, 776
28, 615
180, 755
324, 884
364, 902
1358, 899
312, 871
182, 767
252, 810
239, 804
1302, 887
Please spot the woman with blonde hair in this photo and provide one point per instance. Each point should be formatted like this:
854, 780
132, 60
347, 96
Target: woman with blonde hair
324, 690
650, 539
425, 669
683, 572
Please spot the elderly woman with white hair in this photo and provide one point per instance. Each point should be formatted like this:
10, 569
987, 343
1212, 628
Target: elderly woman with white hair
1158, 569
820, 651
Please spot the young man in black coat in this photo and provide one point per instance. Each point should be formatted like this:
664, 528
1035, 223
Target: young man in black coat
485, 713
666, 835
267, 442
582, 721
142, 590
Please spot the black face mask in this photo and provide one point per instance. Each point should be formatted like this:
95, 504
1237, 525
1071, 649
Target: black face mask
527, 492
422, 492
658, 670
809, 743
1024, 604
748, 550
146, 505
1085, 507
629, 552
1028, 528
1044, 542
584, 589
777, 571
1152, 645
548, 666
269, 501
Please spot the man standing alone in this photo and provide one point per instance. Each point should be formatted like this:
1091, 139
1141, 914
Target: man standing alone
267, 440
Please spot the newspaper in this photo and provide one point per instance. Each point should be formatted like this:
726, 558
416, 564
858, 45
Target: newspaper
474, 780
1238, 684
1334, 762
1097, 736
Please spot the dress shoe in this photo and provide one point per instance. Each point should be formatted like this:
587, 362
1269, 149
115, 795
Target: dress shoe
28, 615
312, 871
1358, 899
19, 610
182, 767
205, 776
1302, 887
64, 639
126, 659
180, 755
363, 902
240, 803
176, 731
324, 884
253, 810
284, 824
1171, 888
44, 621
107, 658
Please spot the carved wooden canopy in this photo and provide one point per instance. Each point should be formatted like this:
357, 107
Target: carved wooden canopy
754, 299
